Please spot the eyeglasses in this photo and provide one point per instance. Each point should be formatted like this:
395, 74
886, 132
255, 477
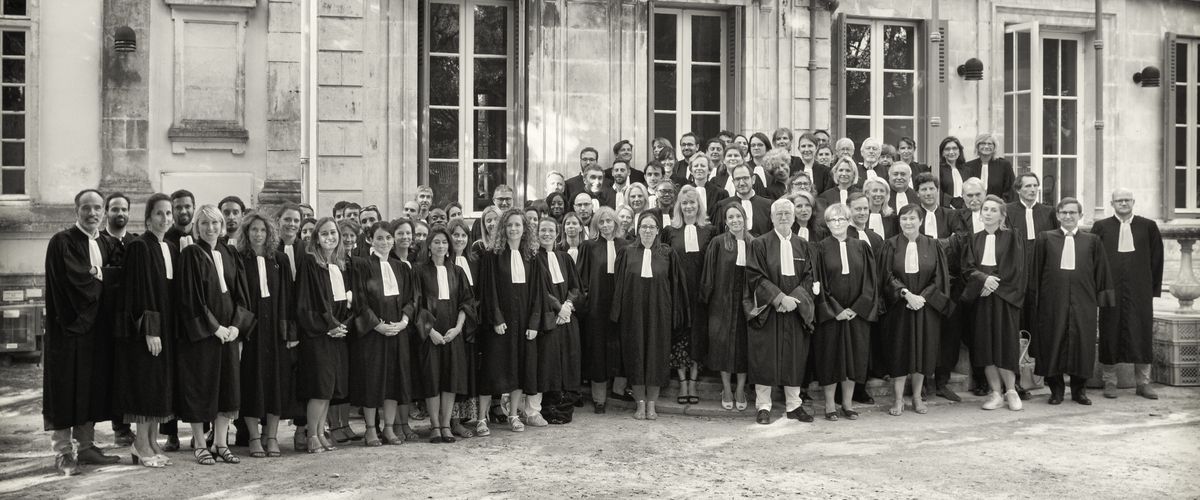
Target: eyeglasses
837, 220
648, 228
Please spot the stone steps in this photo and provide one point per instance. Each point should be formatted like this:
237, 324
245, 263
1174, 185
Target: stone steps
709, 388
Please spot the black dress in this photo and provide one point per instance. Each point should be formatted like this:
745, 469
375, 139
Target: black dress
558, 345
209, 370
445, 367
690, 345
721, 289
381, 367
842, 349
267, 386
911, 337
996, 324
600, 339
146, 382
647, 310
324, 360
510, 360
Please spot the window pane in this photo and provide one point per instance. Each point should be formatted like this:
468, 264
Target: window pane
13, 181
664, 88
706, 39
12, 154
1181, 50
1023, 110
1181, 104
858, 93
14, 71
443, 28
898, 94
858, 46
1050, 126
1010, 125
443, 178
706, 88
13, 99
664, 124
443, 81
443, 133
1049, 67
1067, 177
491, 134
14, 43
1181, 200
491, 22
1070, 56
1070, 136
858, 129
664, 37
1181, 146
894, 129
899, 47
491, 82
487, 177
13, 127
1023, 61
705, 125
1050, 181
15, 8
1008, 61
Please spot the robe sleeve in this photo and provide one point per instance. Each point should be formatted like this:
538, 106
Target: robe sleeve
1106, 295
551, 303
937, 293
287, 292
539, 290
680, 312
758, 275
492, 313
582, 272
865, 305
708, 278
827, 307
313, 310
365, 318
195, 271
139, 305
1014, 277
466, 304
1156, 258
622, 260
243, 319
75, 292
806, 309
892, 284
970, 272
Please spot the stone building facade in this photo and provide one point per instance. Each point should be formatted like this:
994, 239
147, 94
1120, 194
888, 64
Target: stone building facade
364, 100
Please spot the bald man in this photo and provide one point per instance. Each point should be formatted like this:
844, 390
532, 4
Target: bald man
1135, 256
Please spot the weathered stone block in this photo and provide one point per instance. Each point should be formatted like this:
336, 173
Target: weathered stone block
283, 17
587, 16
340, 8
283, 135
283, 87
822, 87
340, 138
352, 68
340, 173
336, 33
329, 68
339, 103
284, 47
800, 82
284, 165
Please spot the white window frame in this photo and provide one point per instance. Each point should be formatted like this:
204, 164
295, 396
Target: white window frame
1080, 88
467, 107
683, 69
877, 72
1190, 89
29, 26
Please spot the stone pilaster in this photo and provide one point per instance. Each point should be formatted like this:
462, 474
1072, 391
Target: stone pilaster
125, 97
284, 80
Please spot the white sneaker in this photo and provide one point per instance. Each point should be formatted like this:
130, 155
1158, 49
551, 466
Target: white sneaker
994, 401
1014, 400
536, 420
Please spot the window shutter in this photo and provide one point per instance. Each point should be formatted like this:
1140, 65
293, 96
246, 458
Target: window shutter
936, 94
1168, 126
733, 33
422, 95
837, 97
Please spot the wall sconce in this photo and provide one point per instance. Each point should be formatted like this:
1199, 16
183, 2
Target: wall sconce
971, 70
1148, 77
124, 39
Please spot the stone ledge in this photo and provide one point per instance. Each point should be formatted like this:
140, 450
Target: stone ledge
243, 4
198, 134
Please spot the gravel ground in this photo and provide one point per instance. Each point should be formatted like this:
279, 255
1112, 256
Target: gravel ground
1124, 448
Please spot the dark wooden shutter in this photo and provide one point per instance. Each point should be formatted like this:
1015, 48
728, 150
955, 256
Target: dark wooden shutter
837, 97
733, 100
422, 95
1168, 125
935, 95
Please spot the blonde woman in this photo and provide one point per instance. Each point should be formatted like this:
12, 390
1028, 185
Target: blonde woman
688, 236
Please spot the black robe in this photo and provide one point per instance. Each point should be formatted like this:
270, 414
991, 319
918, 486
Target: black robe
324, 361
995, 319
600, 339
1001, 176
381, 367
912, 337
1043, 220
842, 349
647, 310
695, 339
209, 370
445, 367
509, 360
833, 195
1127, 330
760, 215
721, 291
558, 345
268, 387
146, 382
908, 193
713, 195
821, 177
1064, 338
946, 176
778, 342
474, 328
75, 366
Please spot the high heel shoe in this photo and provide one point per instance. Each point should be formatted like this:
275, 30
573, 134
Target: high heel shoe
741, 403
692, 397
314, 445
726, 403
151, 461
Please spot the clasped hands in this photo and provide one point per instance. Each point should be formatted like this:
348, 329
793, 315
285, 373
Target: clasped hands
990, 285
502, 329
389, 329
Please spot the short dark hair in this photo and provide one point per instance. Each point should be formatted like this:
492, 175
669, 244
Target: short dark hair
383, 224
290, 205
183, 193
233, 199
712, 141
154, 199
594, 166
725, 132
351, 204
623, 162
591, 150
655, 165
339, 207
689, 134
907, 139
910, 208
1020, 180
79, 195
373, 208
810, 137
1068, 201
925, 178
622, 142
108, 200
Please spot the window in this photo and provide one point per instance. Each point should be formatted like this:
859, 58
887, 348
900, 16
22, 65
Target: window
467, 120
1181, 79
880, 61
14, 72
691, 73
1042, 101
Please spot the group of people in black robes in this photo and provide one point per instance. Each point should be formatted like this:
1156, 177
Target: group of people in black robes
249, 317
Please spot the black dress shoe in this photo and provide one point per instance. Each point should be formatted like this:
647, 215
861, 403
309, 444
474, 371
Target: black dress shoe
764, 417
172, 443
800, 414
623, 396
1055, 399
981, 390
600, 409
1023, 394
94, 456
948, 393
123, 438
1081, 399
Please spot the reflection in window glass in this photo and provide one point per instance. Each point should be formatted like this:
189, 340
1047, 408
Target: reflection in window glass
690, 73
899, 48
12, 108
880, 91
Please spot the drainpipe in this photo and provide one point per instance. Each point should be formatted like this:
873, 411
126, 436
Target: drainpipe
812, 65
1099, 46
935, 91
308, 105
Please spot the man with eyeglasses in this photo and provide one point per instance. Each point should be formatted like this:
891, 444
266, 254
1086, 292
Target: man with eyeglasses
585, 207
780, 283
936, 225
424, 202
1027, 218
689, 145
1073, 282
1134, 249
588, 158
757, 208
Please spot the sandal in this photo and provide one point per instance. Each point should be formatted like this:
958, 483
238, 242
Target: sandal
895, 412
324, 440
372, 442
447, 439
409, 433
314, 445
257, 451
727, 404
204, 457
831, 416
693, 398
481, 429
682, 398
514, 423
741, 403
390, 437
462, 431
273, 451
227, 456
921, 409
850, 414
